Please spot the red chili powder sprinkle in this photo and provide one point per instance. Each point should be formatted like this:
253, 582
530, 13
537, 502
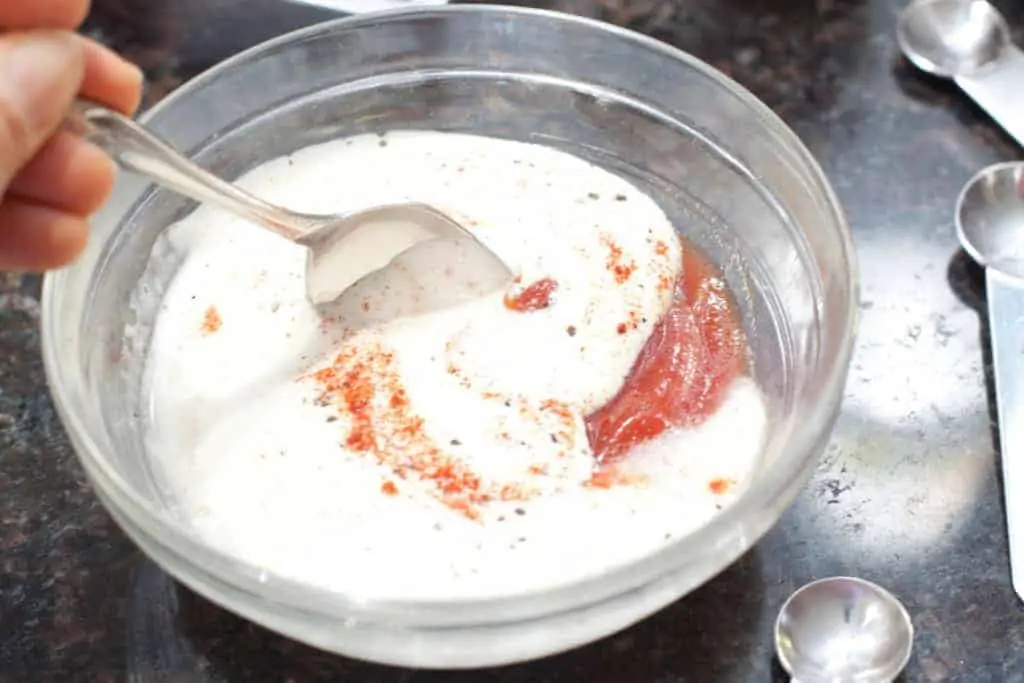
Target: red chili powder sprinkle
364, 384
536, 296
720, 485
660, 248
621, 269
388, 488
607, 477
621, 328
211, 320
566, 421
664, 283
399, 399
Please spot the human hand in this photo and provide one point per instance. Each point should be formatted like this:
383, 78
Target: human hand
51, 180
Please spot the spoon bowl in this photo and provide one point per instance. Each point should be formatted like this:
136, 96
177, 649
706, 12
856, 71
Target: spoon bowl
843, 629
952, 38
990, 218
342, 249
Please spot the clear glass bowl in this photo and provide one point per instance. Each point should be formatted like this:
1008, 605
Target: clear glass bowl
731, 175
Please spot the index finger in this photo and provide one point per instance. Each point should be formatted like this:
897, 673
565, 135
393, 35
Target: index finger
110, 79
54, 14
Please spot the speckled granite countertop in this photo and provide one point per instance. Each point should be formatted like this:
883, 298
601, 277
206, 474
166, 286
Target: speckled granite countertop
908, 490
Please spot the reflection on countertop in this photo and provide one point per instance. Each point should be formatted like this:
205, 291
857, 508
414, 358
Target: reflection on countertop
907, 493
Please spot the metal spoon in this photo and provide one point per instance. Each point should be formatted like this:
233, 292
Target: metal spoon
969, 42
843, 630
990, 226
342, 249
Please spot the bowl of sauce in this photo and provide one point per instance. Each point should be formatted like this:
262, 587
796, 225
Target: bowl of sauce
438, 471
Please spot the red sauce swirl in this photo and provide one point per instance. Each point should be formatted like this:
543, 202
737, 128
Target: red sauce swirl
692, 356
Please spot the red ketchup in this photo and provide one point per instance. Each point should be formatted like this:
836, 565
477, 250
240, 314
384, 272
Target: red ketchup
692, 356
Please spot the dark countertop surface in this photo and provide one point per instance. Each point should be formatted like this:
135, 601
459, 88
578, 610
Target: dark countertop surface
907, 493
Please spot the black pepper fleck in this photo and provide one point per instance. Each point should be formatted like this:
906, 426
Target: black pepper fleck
620, 197
571, 330
456, 442
593, 195
520, 511
332, 418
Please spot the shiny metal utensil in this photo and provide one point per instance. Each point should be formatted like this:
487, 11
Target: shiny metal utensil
969, 42
342, 249
843, 630
990, 226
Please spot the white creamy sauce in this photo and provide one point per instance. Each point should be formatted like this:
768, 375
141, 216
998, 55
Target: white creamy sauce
463, 468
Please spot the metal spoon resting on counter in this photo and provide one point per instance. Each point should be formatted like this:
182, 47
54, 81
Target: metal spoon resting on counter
990, 226
371, 237
843, 630
969, 42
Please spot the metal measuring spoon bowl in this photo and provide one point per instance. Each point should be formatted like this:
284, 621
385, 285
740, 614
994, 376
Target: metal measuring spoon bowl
843, 630
952, 37
990, 218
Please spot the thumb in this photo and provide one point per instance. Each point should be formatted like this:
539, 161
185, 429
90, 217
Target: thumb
40, 74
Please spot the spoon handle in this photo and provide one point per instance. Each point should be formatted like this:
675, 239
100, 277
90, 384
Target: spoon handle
1006, 329
997, 90
136, 149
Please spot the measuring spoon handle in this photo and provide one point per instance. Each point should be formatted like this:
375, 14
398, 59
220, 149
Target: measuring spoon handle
1006, 331
999, 90
137, 150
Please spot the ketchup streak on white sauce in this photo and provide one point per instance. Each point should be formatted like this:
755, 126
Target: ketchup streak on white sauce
264, 462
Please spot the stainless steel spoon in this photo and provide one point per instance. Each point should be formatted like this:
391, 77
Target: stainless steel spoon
969, 42
342, 249
843, 630
990, 226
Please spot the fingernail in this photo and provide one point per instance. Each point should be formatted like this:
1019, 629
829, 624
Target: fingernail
33, 67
